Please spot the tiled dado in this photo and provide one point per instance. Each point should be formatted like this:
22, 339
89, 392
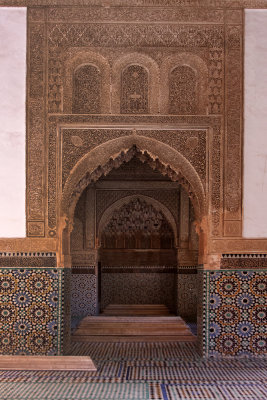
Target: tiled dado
138, 285
31, 308
235, 312
83, 295
83, 299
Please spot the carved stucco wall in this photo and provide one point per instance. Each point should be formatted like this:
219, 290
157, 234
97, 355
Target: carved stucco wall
185, 41
47, 70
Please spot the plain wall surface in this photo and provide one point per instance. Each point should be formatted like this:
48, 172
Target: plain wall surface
12, 121
255, 128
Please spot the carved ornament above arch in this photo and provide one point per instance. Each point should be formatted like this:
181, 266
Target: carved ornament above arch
152, 69
102, 159
77, 61
200, 69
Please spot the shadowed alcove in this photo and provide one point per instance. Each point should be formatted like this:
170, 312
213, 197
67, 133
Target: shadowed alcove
142, 225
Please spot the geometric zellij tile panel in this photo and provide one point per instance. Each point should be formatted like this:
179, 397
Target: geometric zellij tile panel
30, 310
235, 313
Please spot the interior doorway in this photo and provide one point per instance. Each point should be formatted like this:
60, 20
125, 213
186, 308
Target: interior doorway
138, 253
141, 224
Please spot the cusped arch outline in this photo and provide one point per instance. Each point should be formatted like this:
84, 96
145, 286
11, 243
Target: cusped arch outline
108, 213
81, 59
153, 80
198, 65
100, 160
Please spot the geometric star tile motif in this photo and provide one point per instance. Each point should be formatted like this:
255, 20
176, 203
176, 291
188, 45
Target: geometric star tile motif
30, 310
236, 313
83, 295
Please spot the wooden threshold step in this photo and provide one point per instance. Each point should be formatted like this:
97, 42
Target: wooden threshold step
124, 318
135, 312
136, 309
129, 339
134, 327
134, 323
136, 306
47, 363
132, 331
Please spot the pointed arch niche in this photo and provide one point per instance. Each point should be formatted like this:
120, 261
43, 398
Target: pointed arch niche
135, 85
184, 85
86, 87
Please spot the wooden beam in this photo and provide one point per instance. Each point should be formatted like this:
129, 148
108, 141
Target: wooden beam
47, 363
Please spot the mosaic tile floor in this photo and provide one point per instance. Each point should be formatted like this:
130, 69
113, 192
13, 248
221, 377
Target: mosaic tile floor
139, 371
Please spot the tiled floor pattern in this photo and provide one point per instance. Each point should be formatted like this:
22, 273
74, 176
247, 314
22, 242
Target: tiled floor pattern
139, 371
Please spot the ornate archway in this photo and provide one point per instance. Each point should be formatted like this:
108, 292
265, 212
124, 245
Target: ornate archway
113, 153
102, 159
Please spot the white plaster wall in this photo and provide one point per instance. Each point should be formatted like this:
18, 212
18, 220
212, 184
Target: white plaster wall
12, 121
255, 128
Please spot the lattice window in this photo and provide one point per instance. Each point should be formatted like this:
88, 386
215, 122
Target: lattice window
134, 90
183, 96
86, 90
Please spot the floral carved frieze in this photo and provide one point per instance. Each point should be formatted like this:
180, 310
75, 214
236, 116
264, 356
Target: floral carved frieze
132, 14
234, 100
35, 209
216, 81
121, 35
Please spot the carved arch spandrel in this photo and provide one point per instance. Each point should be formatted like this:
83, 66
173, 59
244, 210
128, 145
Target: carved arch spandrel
107, 214
150, 66
201, 70
113, 153
81, 59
